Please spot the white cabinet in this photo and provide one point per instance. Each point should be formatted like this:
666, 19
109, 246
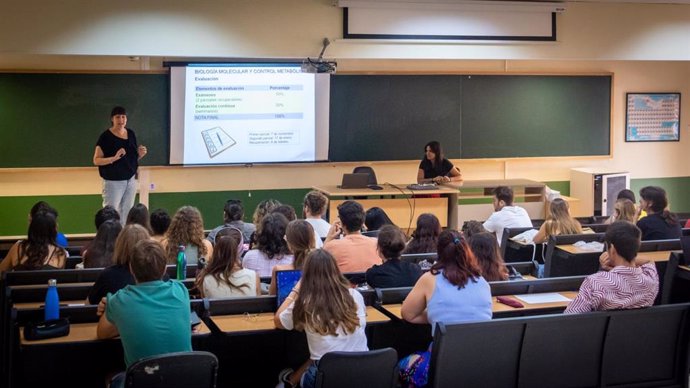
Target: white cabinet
597, 189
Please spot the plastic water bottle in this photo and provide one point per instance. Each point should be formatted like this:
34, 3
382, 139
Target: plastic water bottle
52, 306
181, 263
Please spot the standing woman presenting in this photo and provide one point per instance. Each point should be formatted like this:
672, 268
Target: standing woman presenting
435, 168
117, 157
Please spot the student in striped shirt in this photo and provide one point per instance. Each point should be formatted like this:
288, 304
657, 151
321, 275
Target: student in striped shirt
624, 282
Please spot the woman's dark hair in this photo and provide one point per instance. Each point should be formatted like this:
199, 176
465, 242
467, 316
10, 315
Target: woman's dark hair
425, 236
391, 241
658, 203
100, 252
485, 249
375, 218
160, 221
233, 210
139, 214
472, 227
455, 259
270, 241
41, 235
106, 213
627, 194
43, 206
438, 152
226, 259
287, 210
118, 110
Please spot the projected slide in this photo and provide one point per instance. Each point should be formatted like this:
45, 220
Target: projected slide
241, 113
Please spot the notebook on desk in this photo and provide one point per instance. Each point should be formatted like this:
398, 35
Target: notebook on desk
355, 181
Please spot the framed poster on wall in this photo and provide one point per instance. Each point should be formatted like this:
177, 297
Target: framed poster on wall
652, 117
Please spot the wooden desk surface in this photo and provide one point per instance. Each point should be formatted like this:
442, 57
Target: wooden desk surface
500, 307
80, 332
334, 191
651, 256
489, 183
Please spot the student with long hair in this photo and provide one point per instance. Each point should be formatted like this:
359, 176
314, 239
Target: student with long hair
452, 291
224, 276
424, 238
393, 272
118, 276
660, 223
558, 221
271, 248
375, 218
264, 208
99, 253
623, 210
187, 228
300, 240
485, 249
39, 250
341, 319
139, 214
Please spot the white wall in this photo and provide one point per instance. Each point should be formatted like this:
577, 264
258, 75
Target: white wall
295, 28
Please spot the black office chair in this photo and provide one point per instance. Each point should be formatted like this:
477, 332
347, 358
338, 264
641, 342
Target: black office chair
173, 370
366, 170
375, 368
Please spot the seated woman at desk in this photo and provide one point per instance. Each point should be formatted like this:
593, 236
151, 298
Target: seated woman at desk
485, 249
660, 223
393, 272
436, 168
271, 248
558, 221
452, 291
374, 219
623, 210
99, 254
224, 276
424, 238
300, 240
340, 323
187, 228
39, 250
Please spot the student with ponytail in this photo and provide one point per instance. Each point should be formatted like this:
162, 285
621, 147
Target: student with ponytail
660, 223
452, 291
300, 240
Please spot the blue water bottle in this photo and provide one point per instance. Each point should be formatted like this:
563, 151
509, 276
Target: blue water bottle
181, 263
52, 306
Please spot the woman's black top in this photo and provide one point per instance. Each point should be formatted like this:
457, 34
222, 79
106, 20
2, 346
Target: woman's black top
431, 171
125, 167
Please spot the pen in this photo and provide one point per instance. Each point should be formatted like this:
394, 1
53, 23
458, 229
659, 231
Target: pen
221, 141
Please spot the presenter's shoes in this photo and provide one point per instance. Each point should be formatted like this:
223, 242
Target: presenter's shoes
284, 378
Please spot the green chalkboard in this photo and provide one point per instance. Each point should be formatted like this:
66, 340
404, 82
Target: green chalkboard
54, 120
391, 117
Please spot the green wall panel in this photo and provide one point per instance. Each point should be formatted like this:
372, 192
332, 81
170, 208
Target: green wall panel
677, 190
75, 212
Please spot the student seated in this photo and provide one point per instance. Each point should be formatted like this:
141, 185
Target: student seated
152, 317
271, 247
424, 238
393, 272
224, 276
43, 206
485, 249
623, 210
353, 252
339, 325
233, 213
187, 228
375, 218
625, 281
660, 223
139, 214
299, 235
99, 253
506, 215
558, 221
264, 208
452, 291
39, 250
160, 222
315, 206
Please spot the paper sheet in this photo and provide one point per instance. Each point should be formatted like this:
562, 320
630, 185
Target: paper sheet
550, 297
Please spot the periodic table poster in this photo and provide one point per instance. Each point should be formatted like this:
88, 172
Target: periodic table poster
652, 117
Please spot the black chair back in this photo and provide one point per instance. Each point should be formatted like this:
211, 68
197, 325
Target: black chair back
374, 368
660, 245
173, 370
558, 262
512, 251
366, 170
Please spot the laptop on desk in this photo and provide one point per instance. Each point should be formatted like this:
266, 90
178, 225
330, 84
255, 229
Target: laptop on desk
355, 181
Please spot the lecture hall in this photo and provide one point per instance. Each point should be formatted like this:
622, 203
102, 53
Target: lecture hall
545, 98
